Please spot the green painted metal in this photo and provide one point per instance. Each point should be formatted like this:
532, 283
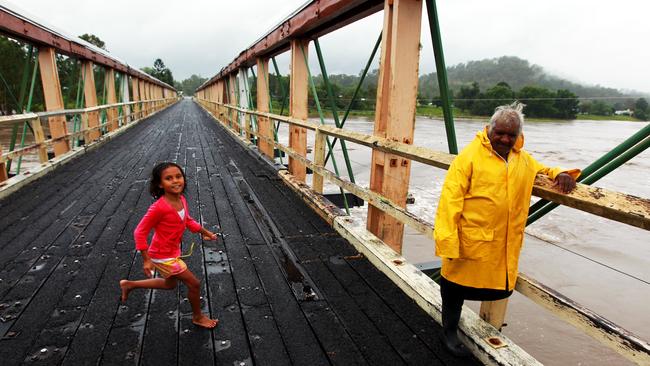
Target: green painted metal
28, 108
253, 118
441, 72
335, 112
79, 102
21, 101
356, 91
285, 95
322, 122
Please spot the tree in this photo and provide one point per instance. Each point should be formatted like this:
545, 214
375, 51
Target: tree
641, 109
189, 85
160, 72
497, 95
539, 101
93, 39
566, 104
467, 96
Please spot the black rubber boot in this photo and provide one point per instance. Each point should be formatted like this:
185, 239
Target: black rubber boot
450, 317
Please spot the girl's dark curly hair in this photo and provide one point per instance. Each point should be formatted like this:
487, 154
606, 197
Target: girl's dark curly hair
156, 178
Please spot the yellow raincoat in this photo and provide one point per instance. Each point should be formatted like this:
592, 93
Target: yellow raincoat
482, 214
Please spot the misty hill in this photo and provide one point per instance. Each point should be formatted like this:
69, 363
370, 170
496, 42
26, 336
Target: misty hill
512, 70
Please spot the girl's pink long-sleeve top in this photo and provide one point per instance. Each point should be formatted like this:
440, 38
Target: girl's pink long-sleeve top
168, 229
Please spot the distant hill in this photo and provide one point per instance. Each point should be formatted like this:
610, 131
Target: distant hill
514, 71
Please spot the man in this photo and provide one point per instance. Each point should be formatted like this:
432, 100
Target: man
482, 214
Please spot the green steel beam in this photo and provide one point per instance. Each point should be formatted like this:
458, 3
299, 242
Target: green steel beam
21, 101
322, 122
356, 91
441, 72
28, 109
335, 112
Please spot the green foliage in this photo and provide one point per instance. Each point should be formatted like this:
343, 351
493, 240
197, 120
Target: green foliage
93, 39
189, 85
160, 72
517, 72
539, 101
566, 104
597, 107
641, 109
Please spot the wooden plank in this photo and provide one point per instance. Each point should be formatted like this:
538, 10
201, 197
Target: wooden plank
143, 98
264, 125
319, 160
111, 113
135, 86
621, 207
395, 112
39, 138
298, 105
90, 97
613, 336
53, 98
494, 312
124, 85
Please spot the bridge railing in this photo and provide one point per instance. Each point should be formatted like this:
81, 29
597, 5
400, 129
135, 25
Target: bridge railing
90, 133
42, 50
617, 206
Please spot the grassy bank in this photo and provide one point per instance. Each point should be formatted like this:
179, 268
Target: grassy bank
436, 112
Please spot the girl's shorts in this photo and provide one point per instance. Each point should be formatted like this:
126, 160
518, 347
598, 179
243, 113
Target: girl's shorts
170, 267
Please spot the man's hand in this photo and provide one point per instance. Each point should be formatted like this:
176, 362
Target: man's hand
147, 266
565, 182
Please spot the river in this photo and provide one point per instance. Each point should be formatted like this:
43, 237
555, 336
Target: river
599, 263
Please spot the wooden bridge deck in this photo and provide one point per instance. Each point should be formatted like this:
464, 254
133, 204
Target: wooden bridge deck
286, 288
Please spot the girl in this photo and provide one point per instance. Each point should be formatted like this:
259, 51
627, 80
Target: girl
168, 217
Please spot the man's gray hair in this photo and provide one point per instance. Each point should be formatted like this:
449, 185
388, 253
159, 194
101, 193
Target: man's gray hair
509, 112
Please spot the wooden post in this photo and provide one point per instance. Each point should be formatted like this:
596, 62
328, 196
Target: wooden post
90, 96
264, 126
494, 312
319, 159
39, 138
143, 98
298, 105
135, 86
126, 110
111, 113
395, 112
233, 102
53, 98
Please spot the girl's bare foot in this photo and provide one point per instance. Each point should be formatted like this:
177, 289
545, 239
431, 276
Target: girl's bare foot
125, 289
204, 321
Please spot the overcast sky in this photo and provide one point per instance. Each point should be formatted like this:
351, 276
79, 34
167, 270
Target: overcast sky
592, 42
